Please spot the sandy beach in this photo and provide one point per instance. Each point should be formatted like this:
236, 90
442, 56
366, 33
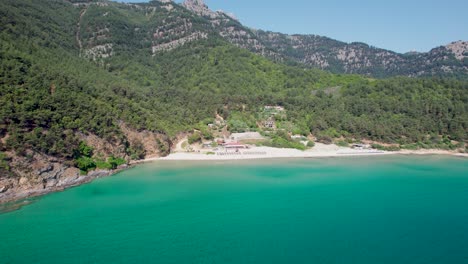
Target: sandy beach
319, 150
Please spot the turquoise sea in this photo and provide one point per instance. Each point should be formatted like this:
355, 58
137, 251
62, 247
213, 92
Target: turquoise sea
398, 209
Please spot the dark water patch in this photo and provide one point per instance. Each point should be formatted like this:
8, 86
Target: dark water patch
16, 205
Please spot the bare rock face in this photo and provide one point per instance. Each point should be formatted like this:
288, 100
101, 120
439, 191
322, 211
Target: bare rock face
459, 49
104, 147
154, 145
36, 173
199, 7
99, 173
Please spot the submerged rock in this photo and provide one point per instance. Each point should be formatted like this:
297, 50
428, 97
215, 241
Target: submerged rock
121, 167
99, 173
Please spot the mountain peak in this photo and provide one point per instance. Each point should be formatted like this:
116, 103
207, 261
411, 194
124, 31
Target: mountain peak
199, 7
195, 3
459, 49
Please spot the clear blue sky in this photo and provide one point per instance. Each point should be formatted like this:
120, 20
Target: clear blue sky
399, 25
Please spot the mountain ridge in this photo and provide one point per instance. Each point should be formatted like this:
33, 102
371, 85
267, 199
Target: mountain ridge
337, 56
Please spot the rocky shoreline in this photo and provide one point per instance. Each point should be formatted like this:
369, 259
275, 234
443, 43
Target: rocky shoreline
60, 182
33, 174
49, 175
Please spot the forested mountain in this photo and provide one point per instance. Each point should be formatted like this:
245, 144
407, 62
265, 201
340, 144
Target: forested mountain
87, 84
337, 56
169, 25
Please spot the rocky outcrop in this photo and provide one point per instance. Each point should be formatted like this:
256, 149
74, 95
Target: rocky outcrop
99, 52
200, 8
103, 147
459, 49
153, 144
333, 55
168, 26
360, 58
179, 42
35, 174
38, 174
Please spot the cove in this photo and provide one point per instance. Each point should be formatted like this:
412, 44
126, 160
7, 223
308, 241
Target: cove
388, 209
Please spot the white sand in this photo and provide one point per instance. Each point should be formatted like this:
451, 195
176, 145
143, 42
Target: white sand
320, 150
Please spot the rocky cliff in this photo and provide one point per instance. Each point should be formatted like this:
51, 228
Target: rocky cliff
33, 173
169, 26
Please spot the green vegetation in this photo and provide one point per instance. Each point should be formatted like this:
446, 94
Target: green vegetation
83, 158
85, 161
4, 162
342, 143
136, 151
434, 142
50, 97
195, 138
282, 140
368, 60
386, 148
239, 122
111, 164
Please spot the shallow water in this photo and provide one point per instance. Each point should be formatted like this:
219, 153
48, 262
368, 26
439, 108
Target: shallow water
397, 209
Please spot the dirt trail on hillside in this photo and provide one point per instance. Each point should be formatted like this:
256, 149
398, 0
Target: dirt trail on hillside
78, 28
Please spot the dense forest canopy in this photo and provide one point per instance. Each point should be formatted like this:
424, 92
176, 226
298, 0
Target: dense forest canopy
49, 94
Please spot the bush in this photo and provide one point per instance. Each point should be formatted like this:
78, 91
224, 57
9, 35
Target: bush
163, 148
411, 146
207, 134
4, 161
310, 144
389, 148
85, 164
195, 137
136, 151
342, 143
279, 142
85, 150
100, 164
115, 162
325, 140
331, 132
